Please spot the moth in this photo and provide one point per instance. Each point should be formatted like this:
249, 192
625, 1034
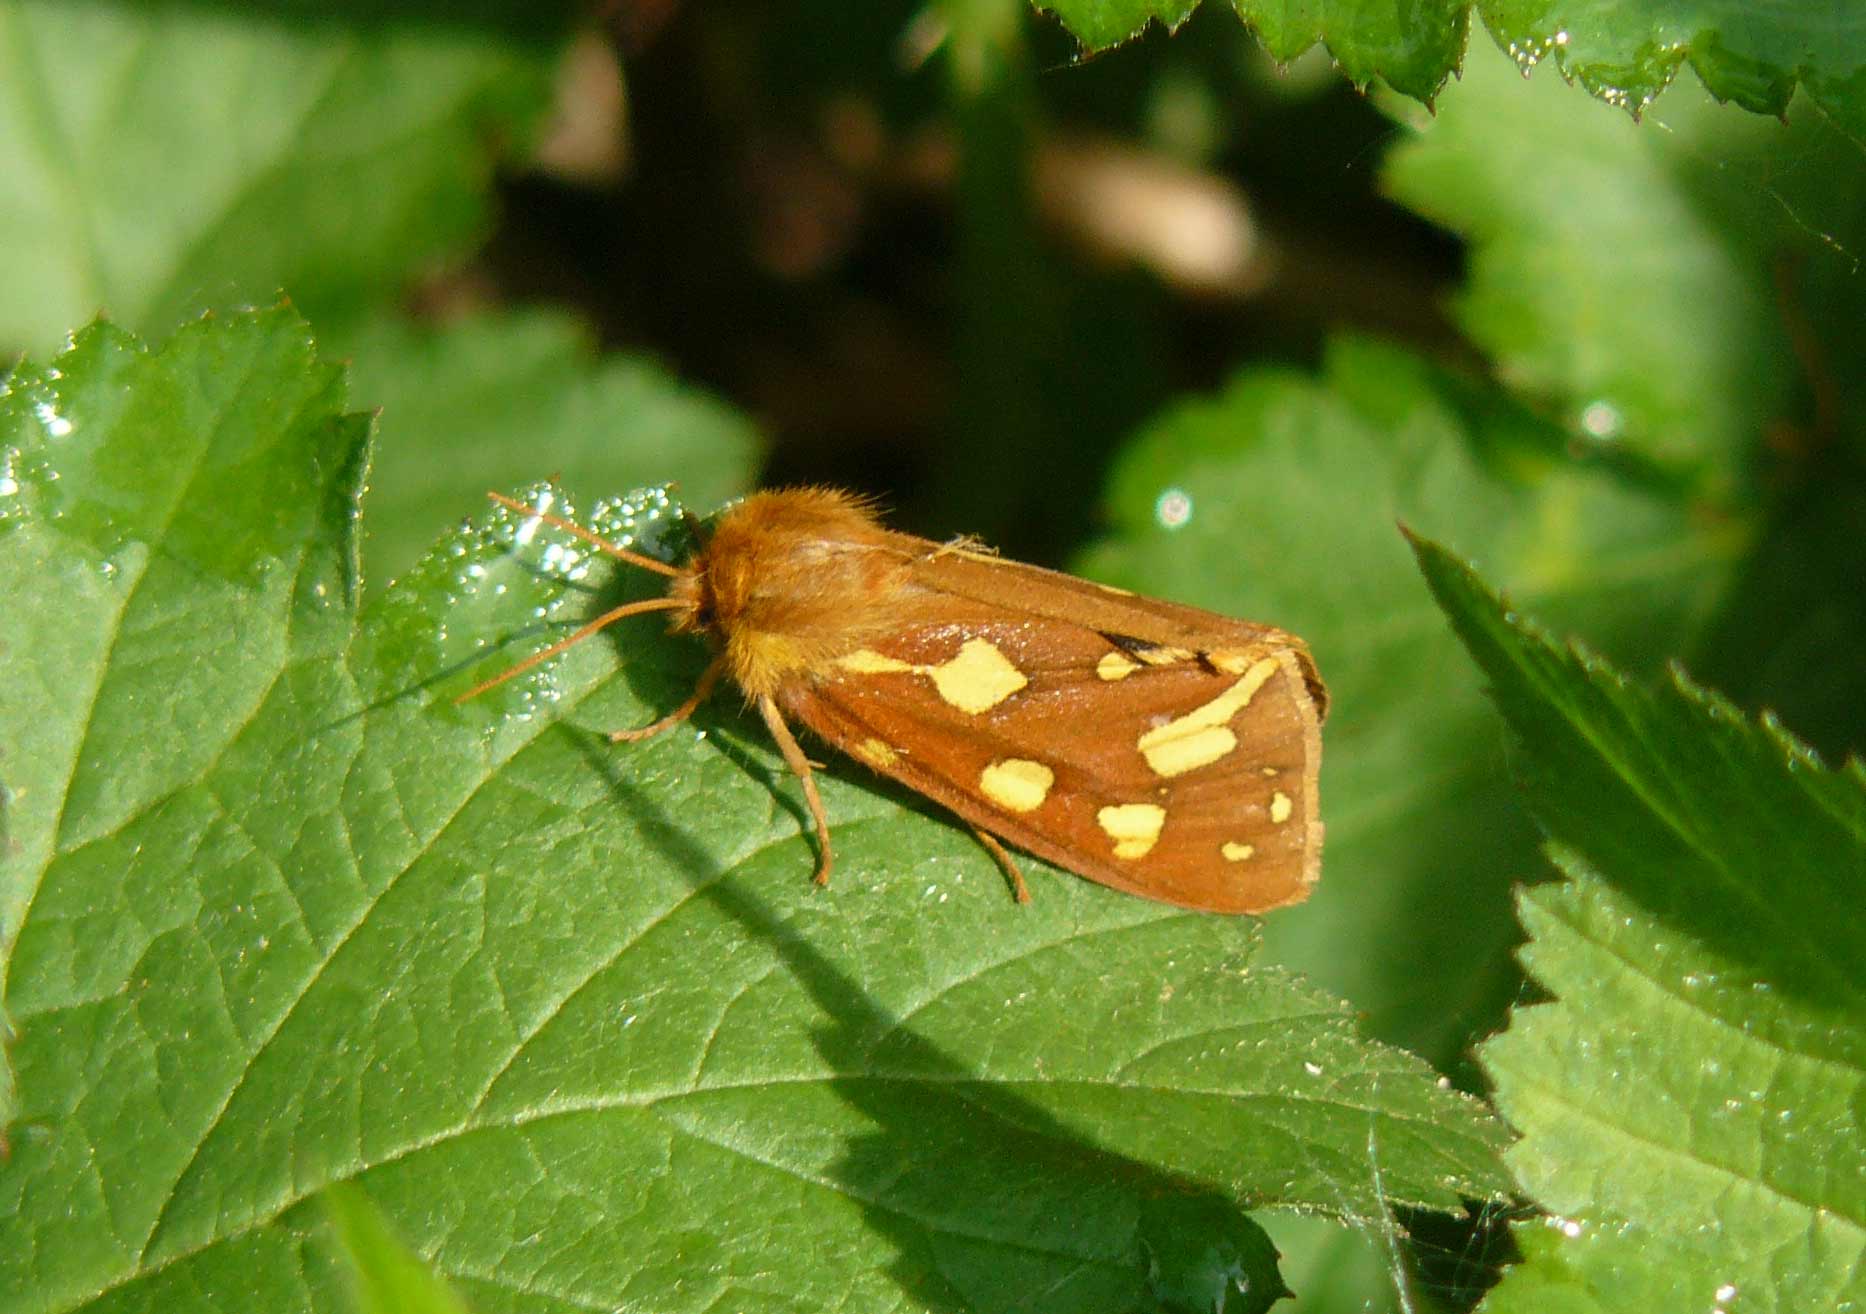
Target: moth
1156, 748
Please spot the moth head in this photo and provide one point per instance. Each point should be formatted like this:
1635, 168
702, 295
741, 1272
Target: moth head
697, 611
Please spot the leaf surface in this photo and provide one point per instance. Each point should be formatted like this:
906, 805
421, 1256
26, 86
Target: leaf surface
1603, 282
1623, 53
1690, 1098
164, 158
1755, 55
571, 1016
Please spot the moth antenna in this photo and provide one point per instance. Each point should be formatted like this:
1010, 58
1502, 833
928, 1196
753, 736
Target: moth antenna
593, 539
608, 618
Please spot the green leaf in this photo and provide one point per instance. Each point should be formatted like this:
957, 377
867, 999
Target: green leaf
1734, 834
162, 158
1603, 1266
1099, 24
1277, 500
572, 1016
452, 398
1755, 55
1699, 1074
1624, 54
390, 1279
1602, 283
1414, 48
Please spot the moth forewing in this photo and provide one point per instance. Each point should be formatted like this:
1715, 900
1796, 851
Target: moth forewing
1154, 623
1181, 771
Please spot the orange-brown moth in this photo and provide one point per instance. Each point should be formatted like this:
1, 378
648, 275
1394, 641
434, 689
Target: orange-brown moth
1156, 748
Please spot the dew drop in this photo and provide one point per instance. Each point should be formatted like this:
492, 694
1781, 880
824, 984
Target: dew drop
54, 424
1602, 421
1173, 508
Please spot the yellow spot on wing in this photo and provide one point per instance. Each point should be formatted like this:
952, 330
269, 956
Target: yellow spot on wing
1188, 749
1164, 656
1229, 661
1016, 784
1201, 736
876, 753
1134, 827
1116, 665
1280, 807
976, 680
866, 661
1235, 852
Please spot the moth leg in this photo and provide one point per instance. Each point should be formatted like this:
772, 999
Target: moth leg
1002, 856
702, 690
800, 767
